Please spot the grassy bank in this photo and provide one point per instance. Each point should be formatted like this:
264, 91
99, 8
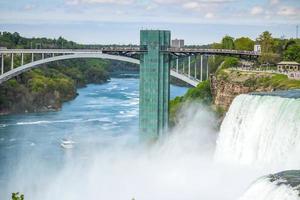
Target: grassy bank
258, 79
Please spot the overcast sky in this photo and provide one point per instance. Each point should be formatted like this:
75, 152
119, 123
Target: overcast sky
119, 21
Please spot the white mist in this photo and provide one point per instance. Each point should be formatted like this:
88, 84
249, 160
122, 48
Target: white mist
179, 167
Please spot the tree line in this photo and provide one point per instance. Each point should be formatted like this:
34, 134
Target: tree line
273, 50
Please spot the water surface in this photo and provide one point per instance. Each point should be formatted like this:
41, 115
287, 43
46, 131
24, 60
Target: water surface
30, 143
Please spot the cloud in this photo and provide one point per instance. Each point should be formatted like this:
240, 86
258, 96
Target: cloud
29, 7
274, 2
150, 6
257, 10
182, 2
209, 15
288, 11
76, 2
198, 5
191, 5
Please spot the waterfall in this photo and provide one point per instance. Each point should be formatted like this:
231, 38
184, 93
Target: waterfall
280, 186
263, 189
260, 129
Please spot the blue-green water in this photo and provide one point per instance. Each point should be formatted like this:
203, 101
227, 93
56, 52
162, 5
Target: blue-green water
30, 143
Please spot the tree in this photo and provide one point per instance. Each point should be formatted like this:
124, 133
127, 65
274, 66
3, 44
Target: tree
266, 41
244, 43
292, 53
227, 42
269, 58
216, 46
17, 196
230, 62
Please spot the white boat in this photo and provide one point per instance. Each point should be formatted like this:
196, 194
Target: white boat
67, 144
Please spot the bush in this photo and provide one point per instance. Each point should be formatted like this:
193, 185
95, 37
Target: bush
230, 62
201, 93
96, 75
17, 196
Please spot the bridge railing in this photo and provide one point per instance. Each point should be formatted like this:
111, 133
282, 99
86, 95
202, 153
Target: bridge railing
200, 50
133, 49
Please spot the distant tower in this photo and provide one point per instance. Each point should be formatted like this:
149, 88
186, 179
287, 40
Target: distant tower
297, 31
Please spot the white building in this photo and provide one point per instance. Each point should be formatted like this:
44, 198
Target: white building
257, 48
288, 66
177, 43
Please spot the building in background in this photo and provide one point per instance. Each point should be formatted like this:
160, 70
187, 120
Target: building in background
288, 66
177, 43
257, 48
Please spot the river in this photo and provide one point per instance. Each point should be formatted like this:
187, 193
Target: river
194, 161
30, 143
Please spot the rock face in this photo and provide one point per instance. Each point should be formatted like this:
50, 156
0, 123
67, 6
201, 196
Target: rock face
25, 101
229, 84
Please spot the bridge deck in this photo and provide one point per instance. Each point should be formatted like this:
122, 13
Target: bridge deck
132, 50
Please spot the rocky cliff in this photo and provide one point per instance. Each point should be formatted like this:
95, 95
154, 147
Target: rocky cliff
228, 83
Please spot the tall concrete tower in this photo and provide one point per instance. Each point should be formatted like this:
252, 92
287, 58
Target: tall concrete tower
154, 83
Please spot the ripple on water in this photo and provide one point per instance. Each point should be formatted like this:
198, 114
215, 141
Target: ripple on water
3, 125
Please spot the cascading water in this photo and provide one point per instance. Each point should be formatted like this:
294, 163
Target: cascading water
261, 129
281, 186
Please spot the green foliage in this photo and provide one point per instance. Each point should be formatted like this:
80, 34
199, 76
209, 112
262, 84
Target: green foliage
250, 82
51, 84
174, 108
17, 196
216, 46
14, 40
280, 81
266, 41
220, 111
96, 75
228, 42
256, 80
12, 83
244, 43
214, 63
271, 58
230, 62
201, 93
292, 53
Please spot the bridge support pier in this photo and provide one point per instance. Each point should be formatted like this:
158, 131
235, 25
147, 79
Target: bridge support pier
189, 72
201, 68
12, 61
177, 64
154, 84
183, 65
2, 63
207, 68
22, 59
195, 75
32, 57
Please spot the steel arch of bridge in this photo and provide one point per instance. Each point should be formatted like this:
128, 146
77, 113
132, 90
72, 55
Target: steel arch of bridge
35, 64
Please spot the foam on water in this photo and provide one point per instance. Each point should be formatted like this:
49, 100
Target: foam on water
48, 122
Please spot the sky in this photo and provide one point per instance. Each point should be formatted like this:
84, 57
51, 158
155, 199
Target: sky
119, 21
